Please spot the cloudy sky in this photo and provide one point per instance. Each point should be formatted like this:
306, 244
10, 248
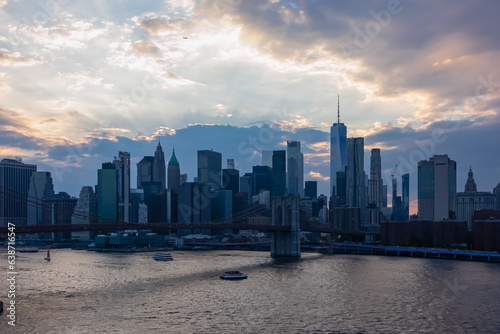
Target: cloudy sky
82, 80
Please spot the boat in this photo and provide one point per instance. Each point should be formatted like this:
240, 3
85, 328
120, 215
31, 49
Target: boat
48, 255
163, 257
233, 275
28, 251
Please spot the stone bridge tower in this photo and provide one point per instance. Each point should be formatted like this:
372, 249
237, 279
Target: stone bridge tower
285, 211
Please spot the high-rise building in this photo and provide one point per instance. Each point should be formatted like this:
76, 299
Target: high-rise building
338, 151
311, 189
63, 210
230, 164
14, 184
279, 173
295, 169
174, 172
355, 174
496, 191
85, 212
384, 195
471, 200
40, 194
375, 182
184, 178
262, 179
210, 168
267, 158
194, 203
107, 192
405, 195
159, 168
122, 165
231, 180
437, 184
145, 171
246, 185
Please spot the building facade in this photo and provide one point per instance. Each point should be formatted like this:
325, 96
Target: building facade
437, 184
355, 174
107, 192
279, 173
375, 182
210, 168
295, 169
338, 151
15, 178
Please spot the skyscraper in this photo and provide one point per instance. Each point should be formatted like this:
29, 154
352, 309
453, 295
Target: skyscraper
267, 158
311, 189
174, 172
107, 192
40, 193
85, 212
159, 168
295, 169
405, 194
64, 206
144, 171
210, 168
355, 174
262, 179
437, 184
375, 182
338, 151
122, 165
14, 184
279, 173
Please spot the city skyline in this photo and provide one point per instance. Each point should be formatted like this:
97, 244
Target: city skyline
78, 86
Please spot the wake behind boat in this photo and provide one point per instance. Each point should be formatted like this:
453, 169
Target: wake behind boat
163, 257
233, 275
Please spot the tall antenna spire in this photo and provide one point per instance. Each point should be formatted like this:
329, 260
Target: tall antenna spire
338, 109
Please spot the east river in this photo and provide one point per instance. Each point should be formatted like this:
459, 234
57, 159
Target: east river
88, 292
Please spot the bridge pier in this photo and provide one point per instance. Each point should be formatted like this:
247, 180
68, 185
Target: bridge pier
285, 212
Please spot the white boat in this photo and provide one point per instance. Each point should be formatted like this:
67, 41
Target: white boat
233, 275
163, 257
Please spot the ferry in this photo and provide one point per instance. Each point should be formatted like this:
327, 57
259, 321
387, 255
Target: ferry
163, 257
233, 275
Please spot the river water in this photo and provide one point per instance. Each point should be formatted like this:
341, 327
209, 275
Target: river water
88, 292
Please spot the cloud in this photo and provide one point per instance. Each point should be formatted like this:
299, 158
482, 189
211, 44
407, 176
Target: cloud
14, 59
147, 48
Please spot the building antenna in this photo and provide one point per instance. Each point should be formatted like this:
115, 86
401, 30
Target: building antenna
338, 109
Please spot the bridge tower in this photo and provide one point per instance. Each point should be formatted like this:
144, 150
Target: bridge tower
285, 211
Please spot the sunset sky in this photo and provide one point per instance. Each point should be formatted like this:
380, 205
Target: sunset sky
82, 80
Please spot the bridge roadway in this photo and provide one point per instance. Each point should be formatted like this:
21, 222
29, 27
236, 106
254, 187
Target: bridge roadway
33, 229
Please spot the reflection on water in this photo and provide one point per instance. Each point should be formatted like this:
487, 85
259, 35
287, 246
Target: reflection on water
87, 292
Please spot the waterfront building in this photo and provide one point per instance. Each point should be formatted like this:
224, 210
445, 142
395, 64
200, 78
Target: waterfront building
338, 151
210, 168
279, 173
295, 169
107, 192
174, 172
14, 184
471, 200
437, 184
122, 165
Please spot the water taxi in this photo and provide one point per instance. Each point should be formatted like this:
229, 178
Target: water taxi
233, 275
